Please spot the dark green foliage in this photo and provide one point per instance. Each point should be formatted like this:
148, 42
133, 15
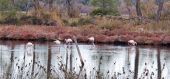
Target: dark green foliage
5, 5
83, 21
9, 17
105, 7
104, 12
151, 16
36, 20
27, 20
77, 22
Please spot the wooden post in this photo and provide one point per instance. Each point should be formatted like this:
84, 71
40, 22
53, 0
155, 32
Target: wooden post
71, 58
79, 53
12, 61
49, 62
67, 57
136, 63
81, 58
158, 63
32, 74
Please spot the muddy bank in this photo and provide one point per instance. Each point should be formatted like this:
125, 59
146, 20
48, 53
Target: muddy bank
50, 33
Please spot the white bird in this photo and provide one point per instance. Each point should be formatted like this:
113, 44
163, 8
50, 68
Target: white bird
91, 39
69, 40
132, 42
57, 42
29, 44
29, 48
28, 59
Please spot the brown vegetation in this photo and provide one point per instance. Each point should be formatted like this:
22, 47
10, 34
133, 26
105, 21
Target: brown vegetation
143, 34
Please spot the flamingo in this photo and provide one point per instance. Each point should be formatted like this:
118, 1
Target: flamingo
91, 39
57, 42
68, 50
29, 48
29, 44
28, 59
132, 42
68, 41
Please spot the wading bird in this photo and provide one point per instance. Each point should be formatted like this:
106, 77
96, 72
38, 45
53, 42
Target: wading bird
29, 44
91, 39
28, 59
29, 48
57, 42
68, 41
132, 42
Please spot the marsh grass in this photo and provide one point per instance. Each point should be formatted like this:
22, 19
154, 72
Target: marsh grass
111, 24
158, 27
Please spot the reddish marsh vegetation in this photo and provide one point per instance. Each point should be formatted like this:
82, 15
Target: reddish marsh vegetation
49, 33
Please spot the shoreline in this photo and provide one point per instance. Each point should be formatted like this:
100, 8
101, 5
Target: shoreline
102, 36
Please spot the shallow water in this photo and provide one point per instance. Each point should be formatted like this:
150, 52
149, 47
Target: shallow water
48, 61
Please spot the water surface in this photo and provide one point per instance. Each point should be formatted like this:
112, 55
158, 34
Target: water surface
50, 61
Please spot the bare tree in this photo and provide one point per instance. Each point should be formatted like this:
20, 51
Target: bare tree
36, 4
160, 7
138, 9
50, 2
128, 5
36, 7
71, 7
13, 2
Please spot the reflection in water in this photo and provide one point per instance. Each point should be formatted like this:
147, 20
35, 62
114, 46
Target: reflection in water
136, 63
159, 64
101, 62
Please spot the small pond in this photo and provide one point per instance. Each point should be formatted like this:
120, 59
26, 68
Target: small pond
51, 61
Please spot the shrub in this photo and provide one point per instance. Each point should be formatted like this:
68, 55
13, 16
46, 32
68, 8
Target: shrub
100, 11
9, 17
74, 23
84, 21
109, 24
18, 18
77, 21
151, 16
65, 21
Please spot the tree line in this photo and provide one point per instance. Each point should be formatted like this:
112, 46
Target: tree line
70, 7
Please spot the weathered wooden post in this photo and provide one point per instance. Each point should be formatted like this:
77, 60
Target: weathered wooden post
32, 74
49, 62
158, 63
136, 63
79, 53
80, 56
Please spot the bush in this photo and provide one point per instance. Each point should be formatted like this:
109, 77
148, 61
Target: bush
37, 20
77, 21
9, 17
109, 24
151, 16
100, 11
74, 23
84, 21
15, 18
